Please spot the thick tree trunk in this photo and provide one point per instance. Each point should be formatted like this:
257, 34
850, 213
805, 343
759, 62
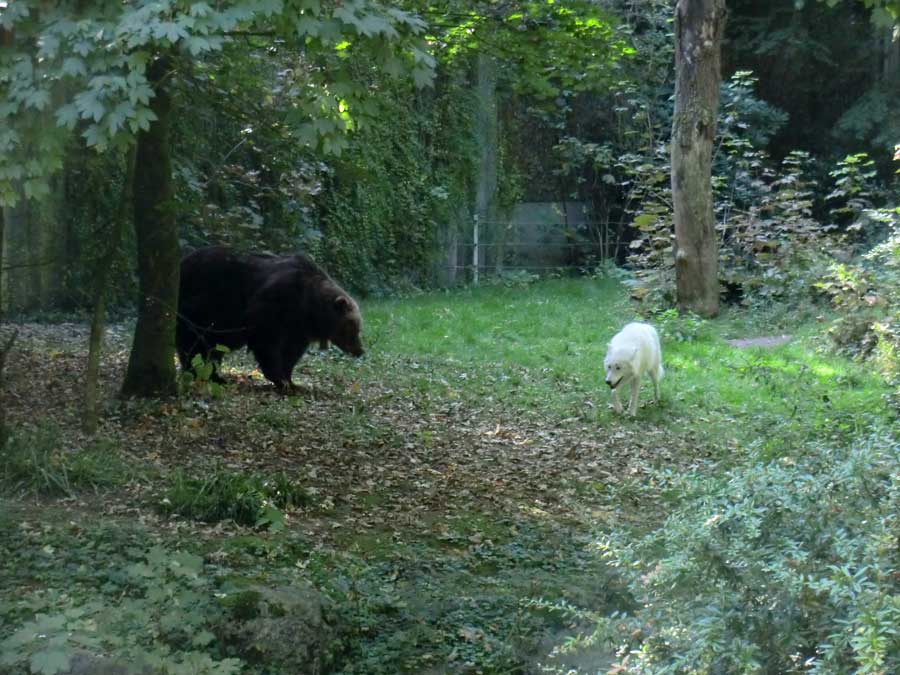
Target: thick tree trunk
101, 281
699, 26
151, 364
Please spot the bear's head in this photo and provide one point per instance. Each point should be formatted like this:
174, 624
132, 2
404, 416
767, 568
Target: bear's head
347, 328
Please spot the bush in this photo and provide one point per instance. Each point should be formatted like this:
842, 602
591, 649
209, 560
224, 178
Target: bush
247, 499
866, 297
783, 567
157, 614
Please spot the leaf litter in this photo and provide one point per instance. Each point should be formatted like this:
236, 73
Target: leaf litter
374, 447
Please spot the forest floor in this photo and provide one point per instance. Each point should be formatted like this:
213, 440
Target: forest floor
450, 485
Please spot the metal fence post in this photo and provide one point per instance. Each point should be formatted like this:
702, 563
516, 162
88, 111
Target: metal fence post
475, 252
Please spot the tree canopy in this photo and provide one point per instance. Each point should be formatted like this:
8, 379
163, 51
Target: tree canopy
76, 67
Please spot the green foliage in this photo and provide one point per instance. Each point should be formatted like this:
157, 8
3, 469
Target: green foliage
156, 612
871, 119
201, 380
385, 204
772, 245
744, 117
769, 567
854, 189
420, 607
98, 57
865, 295
246, 498
680, 326
37, 461
552, 49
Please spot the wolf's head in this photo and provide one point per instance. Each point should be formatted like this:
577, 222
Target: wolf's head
619, 365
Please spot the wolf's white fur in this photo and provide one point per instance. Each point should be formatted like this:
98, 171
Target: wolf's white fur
633, 352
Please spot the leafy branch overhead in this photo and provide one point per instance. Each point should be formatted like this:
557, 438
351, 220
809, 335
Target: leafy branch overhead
83, 69
549, 48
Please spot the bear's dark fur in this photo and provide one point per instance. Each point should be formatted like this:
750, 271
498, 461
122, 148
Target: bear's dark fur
275, 305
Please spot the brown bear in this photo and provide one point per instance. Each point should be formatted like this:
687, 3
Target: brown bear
274, 305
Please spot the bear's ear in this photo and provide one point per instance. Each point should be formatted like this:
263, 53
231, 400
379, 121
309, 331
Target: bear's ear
342, 304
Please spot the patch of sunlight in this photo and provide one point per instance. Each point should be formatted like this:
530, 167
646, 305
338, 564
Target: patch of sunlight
681, 362
824, 369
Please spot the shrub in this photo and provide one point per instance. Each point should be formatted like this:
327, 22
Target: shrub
247, 499
789, 566
865, 296
157, 614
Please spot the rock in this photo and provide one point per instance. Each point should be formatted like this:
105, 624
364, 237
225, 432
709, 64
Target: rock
288, 627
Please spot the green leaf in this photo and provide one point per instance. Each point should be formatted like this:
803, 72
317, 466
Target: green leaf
202, 638
269, 7
142, 119
38, 99
74, 66
49, 662
422, 76
95, 137
198, 44
200, 9
67, 116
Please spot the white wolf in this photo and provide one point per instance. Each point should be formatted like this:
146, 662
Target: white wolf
633, 352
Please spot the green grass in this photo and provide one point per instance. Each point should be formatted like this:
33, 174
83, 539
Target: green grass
222, 495
36, 461
541, 348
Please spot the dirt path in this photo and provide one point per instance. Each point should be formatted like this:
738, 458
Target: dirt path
763, 342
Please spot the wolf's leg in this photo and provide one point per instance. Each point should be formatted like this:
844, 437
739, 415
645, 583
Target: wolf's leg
654, 375
635, 390
617, 404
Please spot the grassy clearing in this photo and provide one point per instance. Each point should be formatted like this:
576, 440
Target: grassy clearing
542, 347
444, 483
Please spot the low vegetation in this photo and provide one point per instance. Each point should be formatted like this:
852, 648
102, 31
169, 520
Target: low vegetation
445, 497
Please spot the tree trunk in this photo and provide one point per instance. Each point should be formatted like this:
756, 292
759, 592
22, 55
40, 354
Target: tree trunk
5, 346
699, 26
890, 55
486, 140
98, 320
151, 364
22, 258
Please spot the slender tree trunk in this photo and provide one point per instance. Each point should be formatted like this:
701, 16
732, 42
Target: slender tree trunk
699, 26
890, 55
101, 282
486, 139
151, 364
5, 346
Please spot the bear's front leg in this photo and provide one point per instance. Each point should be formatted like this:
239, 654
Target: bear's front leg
291, 353
272, 365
